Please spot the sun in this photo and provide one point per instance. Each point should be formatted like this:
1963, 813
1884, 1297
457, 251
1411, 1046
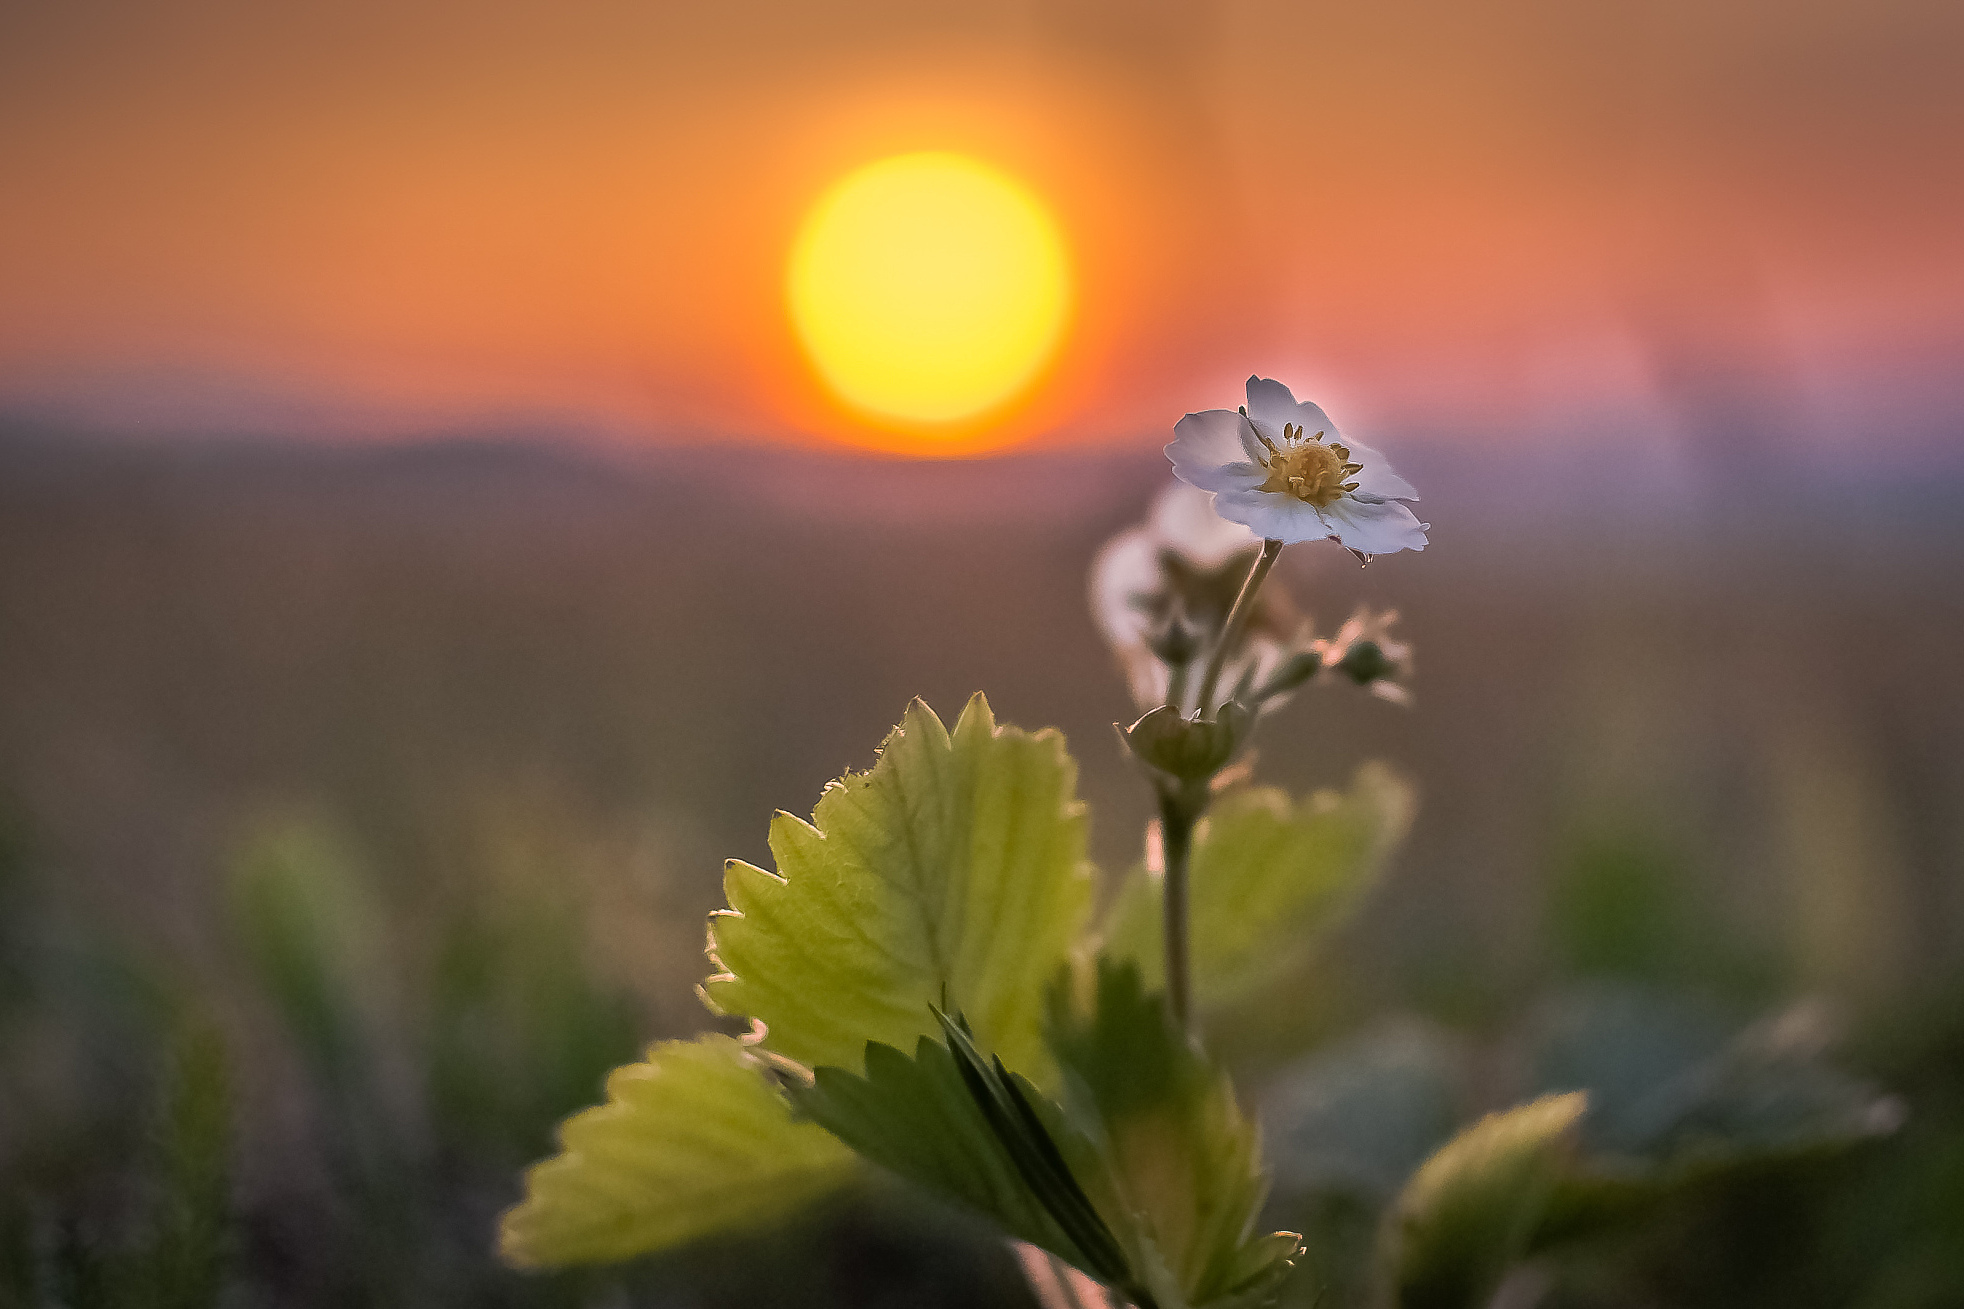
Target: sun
929, 288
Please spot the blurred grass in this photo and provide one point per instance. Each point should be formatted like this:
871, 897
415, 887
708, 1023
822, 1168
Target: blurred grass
376, 798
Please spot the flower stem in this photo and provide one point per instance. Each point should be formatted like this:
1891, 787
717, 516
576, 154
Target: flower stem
1237, 622
1176, 686
1181, 805
1177, 815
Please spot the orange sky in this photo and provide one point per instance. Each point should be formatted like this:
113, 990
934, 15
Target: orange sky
369, 217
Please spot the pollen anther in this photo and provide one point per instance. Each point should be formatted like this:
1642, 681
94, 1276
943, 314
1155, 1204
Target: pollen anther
1304, 467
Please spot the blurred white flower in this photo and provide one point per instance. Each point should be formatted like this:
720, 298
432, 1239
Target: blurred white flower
1161, 591
1281, 469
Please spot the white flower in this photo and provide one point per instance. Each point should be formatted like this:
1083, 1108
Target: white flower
1175, 576
1281, 469
1181, 520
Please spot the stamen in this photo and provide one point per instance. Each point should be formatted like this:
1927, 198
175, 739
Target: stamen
1305, 470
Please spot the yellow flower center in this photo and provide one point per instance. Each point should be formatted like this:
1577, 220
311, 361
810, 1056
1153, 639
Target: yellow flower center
1306, 468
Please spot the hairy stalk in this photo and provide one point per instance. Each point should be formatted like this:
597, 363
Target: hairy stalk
1237, 622
1177, 815
1176, 687
1181, 807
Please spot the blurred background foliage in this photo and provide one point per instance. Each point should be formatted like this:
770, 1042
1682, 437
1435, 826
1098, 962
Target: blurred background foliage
361, 809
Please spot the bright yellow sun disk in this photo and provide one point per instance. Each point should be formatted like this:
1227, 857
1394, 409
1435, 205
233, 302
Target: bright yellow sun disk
929, 287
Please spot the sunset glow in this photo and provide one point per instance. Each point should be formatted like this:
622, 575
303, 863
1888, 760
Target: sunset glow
305, 224
929, 288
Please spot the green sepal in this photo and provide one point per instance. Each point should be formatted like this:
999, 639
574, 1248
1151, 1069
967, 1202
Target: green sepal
1190, 749
695, 1140
952, 873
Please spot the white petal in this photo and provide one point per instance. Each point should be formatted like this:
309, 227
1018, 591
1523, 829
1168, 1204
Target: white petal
1273, 406
1207, 443
1228, 477
1376, 529
1128, 566
1251, 444
1243, 477
1147, 678
1273, 515
1377, 482
1212, 436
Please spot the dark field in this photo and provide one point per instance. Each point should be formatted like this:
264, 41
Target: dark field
522, 703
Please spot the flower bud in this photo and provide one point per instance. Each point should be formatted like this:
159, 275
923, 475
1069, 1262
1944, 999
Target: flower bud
1365, 652
1295, 670
1365, 662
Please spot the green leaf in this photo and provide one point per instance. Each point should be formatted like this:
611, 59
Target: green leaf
951, 874
315, 938
1472, 1208
694, 1141
1675, 1105
1268, 880
977, 1135
1357, 1117
1181, 1178
1146, 1176
184, 1264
